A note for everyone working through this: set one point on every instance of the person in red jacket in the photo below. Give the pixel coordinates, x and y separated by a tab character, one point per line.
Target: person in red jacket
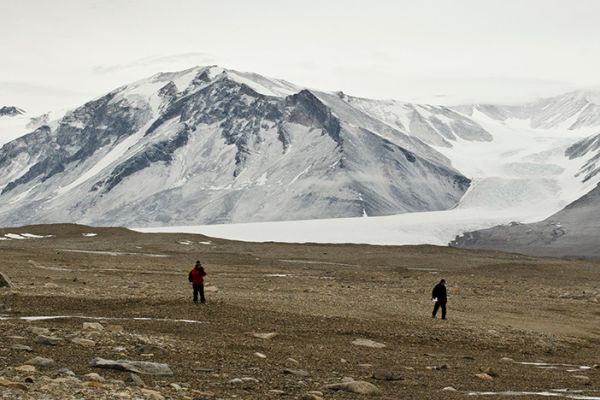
196	278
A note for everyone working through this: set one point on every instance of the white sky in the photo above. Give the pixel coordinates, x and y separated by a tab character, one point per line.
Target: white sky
60	53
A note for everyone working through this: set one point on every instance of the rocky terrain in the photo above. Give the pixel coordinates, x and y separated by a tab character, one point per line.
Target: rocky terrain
106	313
573	232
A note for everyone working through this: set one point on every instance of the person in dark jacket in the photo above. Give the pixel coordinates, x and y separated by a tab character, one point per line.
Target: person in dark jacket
196	278
440	296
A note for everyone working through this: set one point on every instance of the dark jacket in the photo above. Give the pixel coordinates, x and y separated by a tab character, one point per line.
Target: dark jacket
196	276
439	292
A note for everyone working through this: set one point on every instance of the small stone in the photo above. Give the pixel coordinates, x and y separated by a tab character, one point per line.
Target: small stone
260	355
21	347
41	362
65	371
265	336
119	349
236	381
93	326
484	377
296	372
292	361
491	372
26	368
386	375
152	394
48	340
311	396
12	385
83	342
50	285
583	379
94	377
114	328
136	380
368	343
97	385
507	360
277	392
358	387
36	330
176	386
449	389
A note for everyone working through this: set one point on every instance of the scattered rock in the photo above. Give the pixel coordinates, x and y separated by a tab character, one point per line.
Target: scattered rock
583	379
93	326
507	360
266	336
83	342
368	343
21	347
491	372
92	376
12	385
292	361
4	281
41	362
260	355
296	372
449	389
36	330
26	369
65	371
48	340
358	387
139	367
485	377
114	328
136	380
97	385
152	394
311	396
386	375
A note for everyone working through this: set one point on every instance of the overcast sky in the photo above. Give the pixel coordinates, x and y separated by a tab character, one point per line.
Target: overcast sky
59	53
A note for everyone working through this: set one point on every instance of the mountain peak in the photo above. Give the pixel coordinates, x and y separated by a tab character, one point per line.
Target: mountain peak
11	111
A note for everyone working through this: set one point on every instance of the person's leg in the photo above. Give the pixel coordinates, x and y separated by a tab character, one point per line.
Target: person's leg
435	309
195	293
202	299
443	305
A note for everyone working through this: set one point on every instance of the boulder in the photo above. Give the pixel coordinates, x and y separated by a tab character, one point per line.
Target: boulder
139	367
358	387
41	362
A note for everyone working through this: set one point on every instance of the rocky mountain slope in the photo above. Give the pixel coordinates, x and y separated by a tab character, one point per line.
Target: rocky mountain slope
572	232
209	145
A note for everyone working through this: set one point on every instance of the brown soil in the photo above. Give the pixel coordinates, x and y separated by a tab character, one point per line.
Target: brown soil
318	298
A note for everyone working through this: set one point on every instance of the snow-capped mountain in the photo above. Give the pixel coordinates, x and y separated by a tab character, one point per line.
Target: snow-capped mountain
570	111
209	145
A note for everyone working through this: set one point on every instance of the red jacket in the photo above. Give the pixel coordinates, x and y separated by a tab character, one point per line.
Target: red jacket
196	276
